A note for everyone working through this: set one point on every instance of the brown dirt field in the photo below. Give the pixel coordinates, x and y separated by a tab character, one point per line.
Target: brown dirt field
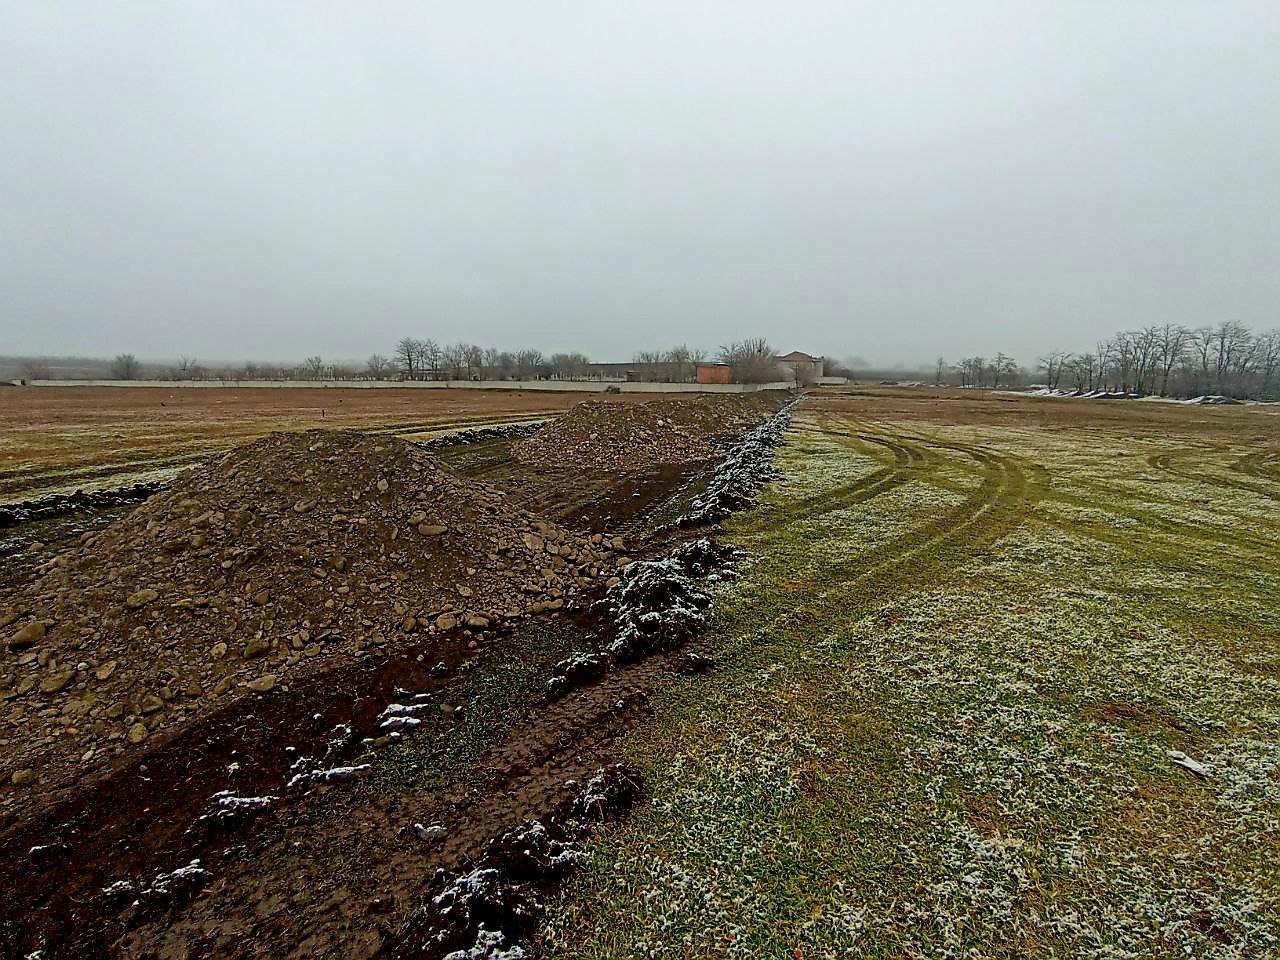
55	439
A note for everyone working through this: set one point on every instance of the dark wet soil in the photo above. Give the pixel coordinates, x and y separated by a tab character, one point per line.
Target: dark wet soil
329	817
133	818
337	864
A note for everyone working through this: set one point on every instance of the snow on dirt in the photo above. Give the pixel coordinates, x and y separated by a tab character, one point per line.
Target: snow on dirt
489	910
746	469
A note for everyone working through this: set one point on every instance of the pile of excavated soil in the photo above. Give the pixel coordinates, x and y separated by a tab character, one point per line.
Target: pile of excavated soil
612	436
288	555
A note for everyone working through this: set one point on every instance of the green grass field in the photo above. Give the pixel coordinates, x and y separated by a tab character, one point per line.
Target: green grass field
948	685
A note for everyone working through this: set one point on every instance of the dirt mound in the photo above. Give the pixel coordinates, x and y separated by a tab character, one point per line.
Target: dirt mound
611	436
288	555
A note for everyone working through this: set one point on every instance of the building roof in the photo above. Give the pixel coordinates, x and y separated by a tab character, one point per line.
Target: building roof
796	355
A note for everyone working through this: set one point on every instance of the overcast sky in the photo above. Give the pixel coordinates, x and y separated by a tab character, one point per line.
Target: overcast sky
894	180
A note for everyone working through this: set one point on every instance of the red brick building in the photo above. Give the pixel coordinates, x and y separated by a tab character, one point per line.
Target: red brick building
714	373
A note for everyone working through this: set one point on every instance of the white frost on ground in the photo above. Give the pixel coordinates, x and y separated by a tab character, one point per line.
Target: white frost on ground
974	768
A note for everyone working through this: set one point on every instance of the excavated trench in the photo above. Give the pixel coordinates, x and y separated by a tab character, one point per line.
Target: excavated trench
481	802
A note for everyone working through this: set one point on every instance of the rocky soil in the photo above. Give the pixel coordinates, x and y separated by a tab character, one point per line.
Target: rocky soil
673	430
287	556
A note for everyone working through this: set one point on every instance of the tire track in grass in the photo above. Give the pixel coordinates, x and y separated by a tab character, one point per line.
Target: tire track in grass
768	635
1265	465
927	554
1131	495
1178	556
1153	528
1171	463
768	625
905	463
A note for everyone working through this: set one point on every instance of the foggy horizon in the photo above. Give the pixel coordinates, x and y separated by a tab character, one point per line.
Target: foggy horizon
264	183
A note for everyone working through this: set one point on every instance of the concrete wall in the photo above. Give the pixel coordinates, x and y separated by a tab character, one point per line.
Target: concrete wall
585	386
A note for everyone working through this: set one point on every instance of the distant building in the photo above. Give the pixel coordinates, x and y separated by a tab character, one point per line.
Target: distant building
800	367
714	373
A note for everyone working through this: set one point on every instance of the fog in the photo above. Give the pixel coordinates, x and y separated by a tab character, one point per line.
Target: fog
897	181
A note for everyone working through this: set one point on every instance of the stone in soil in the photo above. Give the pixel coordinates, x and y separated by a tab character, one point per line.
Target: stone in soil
224	561
601	435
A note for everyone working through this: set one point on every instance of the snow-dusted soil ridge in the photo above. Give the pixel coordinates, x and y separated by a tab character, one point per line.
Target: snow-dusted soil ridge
657	605
514	431
489	911
743	473
62	504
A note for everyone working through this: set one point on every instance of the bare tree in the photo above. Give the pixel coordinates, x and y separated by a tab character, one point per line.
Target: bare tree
683	368
1231	340
1170	359
432	359
408	354
473	358
124	367
1267	363
1003	370
1201	345
187	369
648	363
1053	364
1080	367
569	366
452	359
1171	349
528	364
751	359
314	368
377	367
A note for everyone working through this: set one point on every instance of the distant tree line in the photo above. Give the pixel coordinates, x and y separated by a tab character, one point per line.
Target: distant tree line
415	359
752	361
677	365
1000	371
1174	361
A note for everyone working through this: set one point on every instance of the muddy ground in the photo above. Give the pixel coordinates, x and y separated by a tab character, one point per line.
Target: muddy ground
295	823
